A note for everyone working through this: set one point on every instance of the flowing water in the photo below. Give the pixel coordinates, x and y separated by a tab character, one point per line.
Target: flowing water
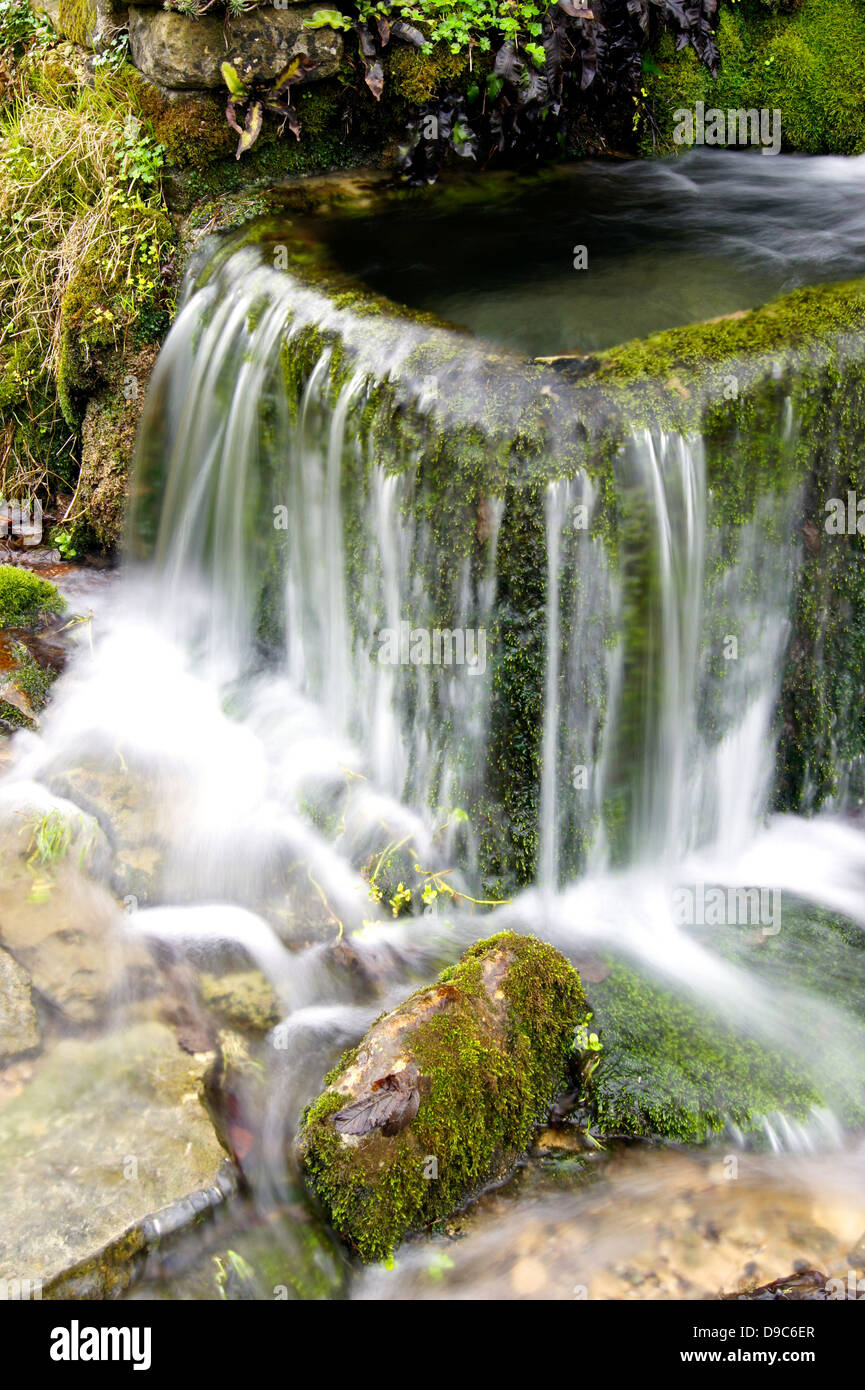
256	676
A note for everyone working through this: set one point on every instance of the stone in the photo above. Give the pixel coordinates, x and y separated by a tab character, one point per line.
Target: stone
184	53
89	23
65	932
243	998
442	1095
19	1025
107	444
57	919
36	824
129	804
107	1151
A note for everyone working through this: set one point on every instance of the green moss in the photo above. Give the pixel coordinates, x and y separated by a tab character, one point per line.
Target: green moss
418	76
674	1069
800	320
78	21
808	62
481	1096
29	676
26	600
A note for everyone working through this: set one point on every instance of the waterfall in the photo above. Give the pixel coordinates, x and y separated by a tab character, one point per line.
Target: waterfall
370	639
301	515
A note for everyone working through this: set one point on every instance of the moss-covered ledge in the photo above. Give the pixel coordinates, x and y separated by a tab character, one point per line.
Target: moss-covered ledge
480	1055
775	397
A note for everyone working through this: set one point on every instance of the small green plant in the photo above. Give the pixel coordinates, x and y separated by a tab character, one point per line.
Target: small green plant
584	1041
114	54
62	538
432	884
50	839
20	27
139	157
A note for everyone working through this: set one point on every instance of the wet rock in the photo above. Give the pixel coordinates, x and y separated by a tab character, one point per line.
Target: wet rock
857	1254
107	444
19	1025
66	936
130	806
481	1052
244	999
180	52
59	924
556	1143
41	829
58	921
108	1150
279	1257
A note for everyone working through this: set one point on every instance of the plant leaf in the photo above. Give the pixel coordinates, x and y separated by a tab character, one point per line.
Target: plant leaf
375	79
327	19
251	128
294	71
407	32
231	117
232	81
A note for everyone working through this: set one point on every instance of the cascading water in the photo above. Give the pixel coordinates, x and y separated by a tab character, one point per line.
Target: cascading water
307	674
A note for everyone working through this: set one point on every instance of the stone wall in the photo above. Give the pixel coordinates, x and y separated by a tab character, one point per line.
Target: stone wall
181	53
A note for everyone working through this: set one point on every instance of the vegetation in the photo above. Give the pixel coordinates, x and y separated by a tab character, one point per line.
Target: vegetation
26	600
806	60
85	245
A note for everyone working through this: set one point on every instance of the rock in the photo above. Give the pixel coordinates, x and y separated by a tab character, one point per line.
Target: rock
65	933
39	828
58	923
107	443
807	1285
179	52
490	1042
108	1150
243	998
89	23
19	705
129	806
19	1026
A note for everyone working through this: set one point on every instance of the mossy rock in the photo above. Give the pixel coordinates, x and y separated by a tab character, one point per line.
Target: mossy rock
679	1069
26	600
806	60
24	688
490	1041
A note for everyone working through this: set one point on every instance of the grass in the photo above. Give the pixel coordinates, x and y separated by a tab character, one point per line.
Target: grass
50	839
84	242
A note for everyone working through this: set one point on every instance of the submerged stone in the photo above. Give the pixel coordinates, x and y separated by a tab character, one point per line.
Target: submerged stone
108	1149
451	1084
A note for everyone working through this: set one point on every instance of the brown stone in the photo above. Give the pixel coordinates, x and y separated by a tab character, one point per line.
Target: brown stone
184	53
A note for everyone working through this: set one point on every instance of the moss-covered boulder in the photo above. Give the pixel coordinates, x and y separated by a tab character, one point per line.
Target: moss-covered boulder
26	600
461	1071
